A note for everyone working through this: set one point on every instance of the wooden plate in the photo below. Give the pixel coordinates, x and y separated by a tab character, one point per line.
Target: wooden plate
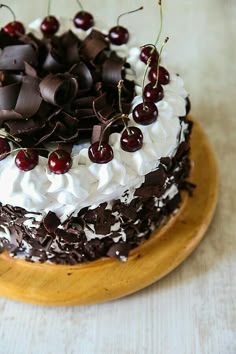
109	279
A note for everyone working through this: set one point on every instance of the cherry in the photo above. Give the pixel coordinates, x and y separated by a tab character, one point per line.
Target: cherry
26	159
83	19
118	34
49	26
153	93
145	113
131	139
4	148
59	161
163	75
13	28
147	52
100	152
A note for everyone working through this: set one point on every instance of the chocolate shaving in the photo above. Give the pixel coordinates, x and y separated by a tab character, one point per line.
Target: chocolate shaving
51	222
112	71
29	99
93	45
58	89
14	57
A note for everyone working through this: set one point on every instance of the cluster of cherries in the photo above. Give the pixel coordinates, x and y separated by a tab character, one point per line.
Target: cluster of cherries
145	113
83	20
59	161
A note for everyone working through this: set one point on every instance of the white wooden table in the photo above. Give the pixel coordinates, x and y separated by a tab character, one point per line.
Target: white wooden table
192	310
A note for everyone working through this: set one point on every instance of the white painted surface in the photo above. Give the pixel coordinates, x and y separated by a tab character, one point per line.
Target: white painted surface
192	310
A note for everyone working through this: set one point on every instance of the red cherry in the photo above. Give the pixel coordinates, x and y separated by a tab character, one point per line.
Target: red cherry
163	75
14	28
131	139
100	153
4	148
152	93
49	26
83	20
118	35
26	159
59	161
149	52
145	113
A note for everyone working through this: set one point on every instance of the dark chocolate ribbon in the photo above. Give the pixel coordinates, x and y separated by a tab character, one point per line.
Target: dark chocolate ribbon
93	45
59	89
14	57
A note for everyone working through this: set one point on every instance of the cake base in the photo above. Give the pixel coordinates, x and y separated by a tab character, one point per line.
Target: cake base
108	279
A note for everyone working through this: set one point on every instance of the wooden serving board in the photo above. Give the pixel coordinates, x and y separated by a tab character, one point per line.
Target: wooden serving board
108	279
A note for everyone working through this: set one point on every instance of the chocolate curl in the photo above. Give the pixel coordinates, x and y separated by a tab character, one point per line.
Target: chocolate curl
14	57
29	99
58	89
103	110
52	64
84	75
8	96
112	71
93	45
70	44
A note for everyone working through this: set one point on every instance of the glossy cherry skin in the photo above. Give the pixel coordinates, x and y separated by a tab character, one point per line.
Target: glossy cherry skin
100	153
26	159
131	139
59	161
49	26
145	113
4	148
14	28
152	93
149	52
118	35
83	20
163	75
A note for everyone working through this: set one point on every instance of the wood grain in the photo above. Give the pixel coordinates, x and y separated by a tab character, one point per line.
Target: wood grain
108	279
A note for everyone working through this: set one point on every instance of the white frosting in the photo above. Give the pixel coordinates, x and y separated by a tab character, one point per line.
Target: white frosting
88	183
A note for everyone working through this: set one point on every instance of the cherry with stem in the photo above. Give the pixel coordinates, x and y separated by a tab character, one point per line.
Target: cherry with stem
131	138
13	28
119	35
50	24
83	19
150	50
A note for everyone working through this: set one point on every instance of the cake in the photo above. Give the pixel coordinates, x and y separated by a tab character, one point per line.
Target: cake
92	159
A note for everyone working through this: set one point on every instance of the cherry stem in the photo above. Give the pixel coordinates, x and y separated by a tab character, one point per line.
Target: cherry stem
144	78
126	13
159	60
161	23
49	7
80	5
119	86
8	7
115	118
11	138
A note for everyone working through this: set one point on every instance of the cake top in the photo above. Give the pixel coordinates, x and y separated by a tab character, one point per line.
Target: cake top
73	106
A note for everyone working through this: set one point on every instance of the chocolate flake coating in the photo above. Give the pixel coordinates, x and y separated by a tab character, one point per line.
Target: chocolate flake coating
67	243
